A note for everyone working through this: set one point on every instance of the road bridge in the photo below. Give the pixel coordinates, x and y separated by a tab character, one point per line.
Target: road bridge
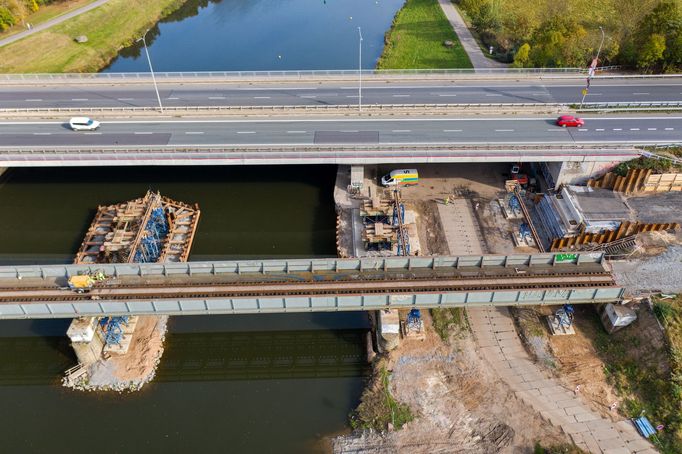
211	141
83	91
275	286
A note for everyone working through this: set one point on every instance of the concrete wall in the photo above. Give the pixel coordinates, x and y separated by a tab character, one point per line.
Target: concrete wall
577	172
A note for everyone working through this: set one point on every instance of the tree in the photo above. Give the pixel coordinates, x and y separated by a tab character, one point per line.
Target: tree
522	56
6	18
651	53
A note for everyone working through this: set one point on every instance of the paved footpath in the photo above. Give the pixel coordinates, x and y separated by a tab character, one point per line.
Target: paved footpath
497	339
466	38
51	22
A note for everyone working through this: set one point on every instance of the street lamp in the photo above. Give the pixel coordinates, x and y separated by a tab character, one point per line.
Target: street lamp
149	60
593	66
360	70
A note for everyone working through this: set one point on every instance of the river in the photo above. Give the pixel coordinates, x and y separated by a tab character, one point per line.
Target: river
266	35
226	383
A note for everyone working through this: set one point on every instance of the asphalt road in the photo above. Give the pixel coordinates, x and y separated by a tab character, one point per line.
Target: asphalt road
601	130
307	93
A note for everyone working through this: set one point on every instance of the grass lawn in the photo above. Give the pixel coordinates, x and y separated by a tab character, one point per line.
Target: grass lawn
45	13
109	28
416	39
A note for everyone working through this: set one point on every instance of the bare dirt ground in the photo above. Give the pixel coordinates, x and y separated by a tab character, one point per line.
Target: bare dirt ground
461	405
137	367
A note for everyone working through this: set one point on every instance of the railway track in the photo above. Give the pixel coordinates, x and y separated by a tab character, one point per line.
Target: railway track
162	291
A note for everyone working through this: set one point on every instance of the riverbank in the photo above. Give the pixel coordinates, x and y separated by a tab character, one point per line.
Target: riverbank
417	39
108	28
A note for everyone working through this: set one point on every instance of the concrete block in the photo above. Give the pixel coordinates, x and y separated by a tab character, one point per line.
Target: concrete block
575	428
556	418
638	445
617	451
591	442
604	435
575	410
566	403
585	417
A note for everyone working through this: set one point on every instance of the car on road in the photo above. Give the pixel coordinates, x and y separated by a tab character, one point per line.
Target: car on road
569	121
83	124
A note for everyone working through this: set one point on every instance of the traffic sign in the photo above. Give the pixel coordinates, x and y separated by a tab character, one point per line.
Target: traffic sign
584	91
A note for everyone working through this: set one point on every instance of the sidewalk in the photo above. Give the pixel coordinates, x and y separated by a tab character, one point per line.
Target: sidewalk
51	22
500	345
466	38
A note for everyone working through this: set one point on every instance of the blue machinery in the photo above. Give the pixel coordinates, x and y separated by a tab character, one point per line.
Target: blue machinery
155	232
112	327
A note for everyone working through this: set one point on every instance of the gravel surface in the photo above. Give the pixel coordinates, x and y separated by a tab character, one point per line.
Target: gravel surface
662	272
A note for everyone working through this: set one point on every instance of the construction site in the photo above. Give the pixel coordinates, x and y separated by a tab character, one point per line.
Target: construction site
121	353
503	209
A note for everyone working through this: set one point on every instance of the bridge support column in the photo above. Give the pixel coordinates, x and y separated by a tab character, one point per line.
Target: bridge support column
2	170
574	172
86	340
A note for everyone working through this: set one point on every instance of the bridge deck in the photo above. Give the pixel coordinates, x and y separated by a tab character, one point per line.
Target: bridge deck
308	285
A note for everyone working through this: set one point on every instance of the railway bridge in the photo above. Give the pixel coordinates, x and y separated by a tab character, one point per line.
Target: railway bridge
299	285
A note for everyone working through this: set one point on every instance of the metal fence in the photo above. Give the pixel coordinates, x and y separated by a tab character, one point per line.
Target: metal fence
592	106
331	265
295	73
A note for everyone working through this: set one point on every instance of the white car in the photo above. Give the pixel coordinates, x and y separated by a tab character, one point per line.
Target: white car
83	124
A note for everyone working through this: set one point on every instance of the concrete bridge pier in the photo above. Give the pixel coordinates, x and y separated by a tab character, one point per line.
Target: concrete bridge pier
574	172
86	339
3	170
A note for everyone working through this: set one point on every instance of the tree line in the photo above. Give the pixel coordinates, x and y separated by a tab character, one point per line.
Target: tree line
14	12
646	34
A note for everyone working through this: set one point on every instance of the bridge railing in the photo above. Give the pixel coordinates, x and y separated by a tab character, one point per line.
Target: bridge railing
295	73
296	108
278	267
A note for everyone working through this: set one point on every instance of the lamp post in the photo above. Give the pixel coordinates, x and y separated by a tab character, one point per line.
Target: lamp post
593	66
149	60
360	70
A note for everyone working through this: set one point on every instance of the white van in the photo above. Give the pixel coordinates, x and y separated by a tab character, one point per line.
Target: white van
83	124
402	177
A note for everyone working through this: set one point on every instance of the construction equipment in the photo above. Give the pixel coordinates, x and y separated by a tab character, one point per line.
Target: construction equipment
81	283
562	321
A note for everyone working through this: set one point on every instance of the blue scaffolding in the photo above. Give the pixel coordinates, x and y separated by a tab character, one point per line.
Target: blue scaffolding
155	232
112	327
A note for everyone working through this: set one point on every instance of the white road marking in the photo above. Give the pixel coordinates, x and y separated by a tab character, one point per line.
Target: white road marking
308	96
246	132
296	132
42	133
172	98
556	130
447	95
401	96
452	130
128	99
504	130
93	133
143	132
599	129
650	129
493	95
79	99
351	96
216	97
261	97
617	129
401	130
634	129
669	129
350	130
594	94
194	132
33	100
583	129
640	93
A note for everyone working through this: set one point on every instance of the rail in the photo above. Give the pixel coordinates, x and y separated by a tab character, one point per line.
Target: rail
277	267
586	107
308	154
295	73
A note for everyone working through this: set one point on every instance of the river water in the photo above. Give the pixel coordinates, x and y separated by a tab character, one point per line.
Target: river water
226	383
237	35
243	384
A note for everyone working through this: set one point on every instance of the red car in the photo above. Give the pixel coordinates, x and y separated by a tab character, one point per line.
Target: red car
569	120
